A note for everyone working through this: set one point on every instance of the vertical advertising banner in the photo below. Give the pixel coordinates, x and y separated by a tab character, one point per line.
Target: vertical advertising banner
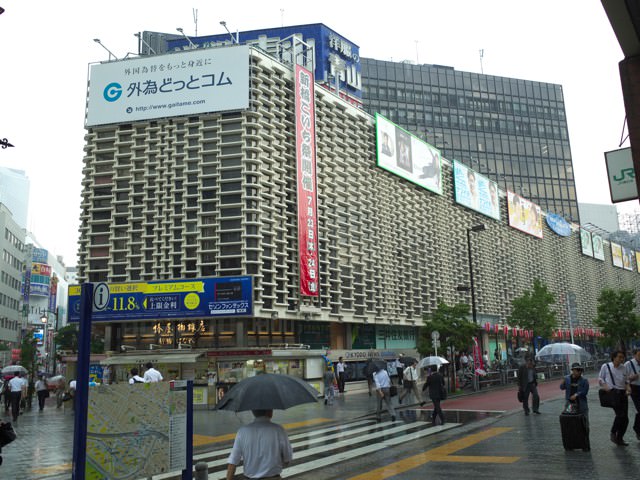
524	215
476	191
306	172
585	242
616	255
598	247
628	259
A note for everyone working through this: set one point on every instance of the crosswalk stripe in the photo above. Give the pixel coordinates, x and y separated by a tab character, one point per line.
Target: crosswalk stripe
344	448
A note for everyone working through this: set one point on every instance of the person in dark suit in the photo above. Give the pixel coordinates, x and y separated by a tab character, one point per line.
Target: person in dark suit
528	384
437	393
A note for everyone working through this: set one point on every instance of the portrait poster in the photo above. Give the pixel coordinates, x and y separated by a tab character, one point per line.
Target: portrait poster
616	255
628	259
476	191
598	247
524	215
585	242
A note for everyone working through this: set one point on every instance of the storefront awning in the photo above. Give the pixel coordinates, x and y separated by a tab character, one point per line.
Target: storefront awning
152	357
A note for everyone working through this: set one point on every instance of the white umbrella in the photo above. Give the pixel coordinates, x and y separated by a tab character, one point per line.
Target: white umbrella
563	351
13	369
432	361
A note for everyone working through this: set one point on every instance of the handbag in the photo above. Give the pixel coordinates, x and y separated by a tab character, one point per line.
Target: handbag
520	396
609	398
393	391
407	384
443	395
7	434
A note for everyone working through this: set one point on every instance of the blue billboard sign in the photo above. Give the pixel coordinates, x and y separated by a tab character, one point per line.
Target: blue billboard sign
558	225
174	299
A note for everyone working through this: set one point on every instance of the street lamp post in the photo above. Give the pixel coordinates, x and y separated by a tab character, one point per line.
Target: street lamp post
45	321
476	228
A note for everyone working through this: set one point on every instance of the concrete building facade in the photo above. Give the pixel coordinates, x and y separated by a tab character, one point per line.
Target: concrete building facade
11	272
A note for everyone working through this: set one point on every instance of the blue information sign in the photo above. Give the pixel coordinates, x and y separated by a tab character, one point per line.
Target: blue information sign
198	297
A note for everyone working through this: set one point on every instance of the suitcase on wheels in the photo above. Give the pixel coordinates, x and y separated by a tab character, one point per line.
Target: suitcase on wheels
575	432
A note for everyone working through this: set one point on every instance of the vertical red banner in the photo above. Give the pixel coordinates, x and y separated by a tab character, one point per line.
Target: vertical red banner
307	183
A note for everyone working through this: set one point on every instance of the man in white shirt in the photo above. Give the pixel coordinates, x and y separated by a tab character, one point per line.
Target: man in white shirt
16	386
633	371
340	367
383	385
151	375
613	376
410	383
262	446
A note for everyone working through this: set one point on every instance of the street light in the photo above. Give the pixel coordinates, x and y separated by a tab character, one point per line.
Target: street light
476	228
191	44
97	40
44	319
233	40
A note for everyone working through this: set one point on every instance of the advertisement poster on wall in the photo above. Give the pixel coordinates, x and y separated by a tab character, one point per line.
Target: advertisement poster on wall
524	215
407	156
628	259
598	247
585	242
616	255
476	191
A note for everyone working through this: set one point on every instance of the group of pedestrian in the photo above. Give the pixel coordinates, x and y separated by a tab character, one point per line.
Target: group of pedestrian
623	380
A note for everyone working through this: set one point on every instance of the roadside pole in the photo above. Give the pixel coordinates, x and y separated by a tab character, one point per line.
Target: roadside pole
82	383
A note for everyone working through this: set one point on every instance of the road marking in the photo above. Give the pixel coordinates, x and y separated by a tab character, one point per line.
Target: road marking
199	440
63	467
441	454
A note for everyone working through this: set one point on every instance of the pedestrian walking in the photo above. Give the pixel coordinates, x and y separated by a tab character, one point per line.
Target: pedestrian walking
399	366
151	375
135	378
383	389
262	447
340	370
633	371
528	385
410	383
16	387
5	393
437	392
613	376
42	391
329	382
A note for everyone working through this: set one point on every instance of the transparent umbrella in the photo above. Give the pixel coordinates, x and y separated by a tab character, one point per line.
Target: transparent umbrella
563	352
432	361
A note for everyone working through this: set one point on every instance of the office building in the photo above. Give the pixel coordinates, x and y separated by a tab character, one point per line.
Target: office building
513	131
14	193
12	263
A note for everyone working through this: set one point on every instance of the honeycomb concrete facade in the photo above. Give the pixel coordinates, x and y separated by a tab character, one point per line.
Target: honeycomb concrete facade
215	195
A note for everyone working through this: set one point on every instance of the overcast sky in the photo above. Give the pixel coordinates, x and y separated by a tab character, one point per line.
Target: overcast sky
46	47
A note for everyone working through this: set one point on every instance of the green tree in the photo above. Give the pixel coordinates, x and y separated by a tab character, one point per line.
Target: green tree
453	325
617	318
532	311
66	338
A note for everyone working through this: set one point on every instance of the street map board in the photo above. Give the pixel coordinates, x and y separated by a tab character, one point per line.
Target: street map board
135	431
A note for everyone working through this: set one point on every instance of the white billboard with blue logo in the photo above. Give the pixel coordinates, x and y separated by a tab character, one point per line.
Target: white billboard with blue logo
177	84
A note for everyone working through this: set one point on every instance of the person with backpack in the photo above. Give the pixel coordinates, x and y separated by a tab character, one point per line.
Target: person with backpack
633	371
135	378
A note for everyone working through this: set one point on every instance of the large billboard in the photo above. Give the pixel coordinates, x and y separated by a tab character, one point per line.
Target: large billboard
524	215
616	255
171	299
586	244
177	84
401	153
308	259
476	191
622	176
598	246
628	259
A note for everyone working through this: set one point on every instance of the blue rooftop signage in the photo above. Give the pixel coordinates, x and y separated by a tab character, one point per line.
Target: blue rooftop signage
558	225
172	299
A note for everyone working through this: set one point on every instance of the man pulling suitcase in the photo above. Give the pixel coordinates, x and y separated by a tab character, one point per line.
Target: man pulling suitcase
574	420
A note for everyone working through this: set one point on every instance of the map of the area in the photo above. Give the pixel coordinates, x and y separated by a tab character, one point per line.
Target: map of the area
131	430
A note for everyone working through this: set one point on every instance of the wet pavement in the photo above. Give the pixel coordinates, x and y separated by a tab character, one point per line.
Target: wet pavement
44	446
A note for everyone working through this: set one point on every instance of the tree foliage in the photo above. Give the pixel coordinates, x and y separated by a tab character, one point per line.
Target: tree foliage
66	338
617	318
532	311
453	325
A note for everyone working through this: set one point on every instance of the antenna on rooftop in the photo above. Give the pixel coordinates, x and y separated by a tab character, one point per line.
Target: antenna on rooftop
195	19
481	55
282	17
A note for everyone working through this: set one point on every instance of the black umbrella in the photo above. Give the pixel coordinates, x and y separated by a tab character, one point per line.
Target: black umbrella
373	365
406	361
268	391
